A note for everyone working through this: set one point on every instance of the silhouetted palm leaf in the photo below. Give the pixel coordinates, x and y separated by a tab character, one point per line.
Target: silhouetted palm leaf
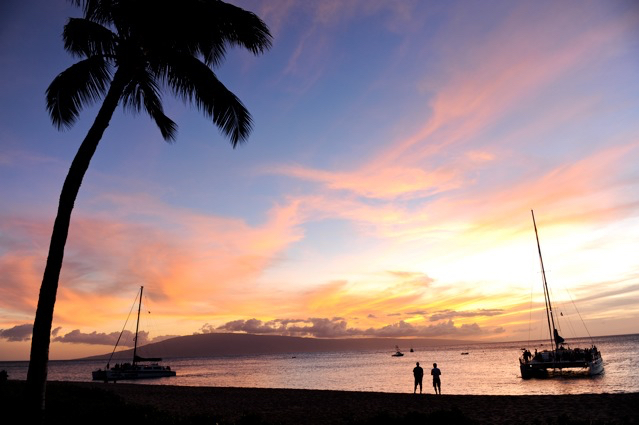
84	38
144	93
195	82
83	83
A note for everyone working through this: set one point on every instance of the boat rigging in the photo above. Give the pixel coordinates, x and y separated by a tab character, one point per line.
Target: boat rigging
398	353
560	355
133	370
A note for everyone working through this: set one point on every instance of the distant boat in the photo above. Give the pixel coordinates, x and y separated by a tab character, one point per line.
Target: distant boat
465	353
560	355
411	350
133	370
398	353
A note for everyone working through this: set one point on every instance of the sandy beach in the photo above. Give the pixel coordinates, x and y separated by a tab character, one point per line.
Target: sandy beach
284	406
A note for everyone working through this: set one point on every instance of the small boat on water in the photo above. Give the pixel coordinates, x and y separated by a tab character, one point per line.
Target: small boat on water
411	350
139	368
560	355
398	353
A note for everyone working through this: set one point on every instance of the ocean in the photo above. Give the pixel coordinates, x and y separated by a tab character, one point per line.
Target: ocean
489	369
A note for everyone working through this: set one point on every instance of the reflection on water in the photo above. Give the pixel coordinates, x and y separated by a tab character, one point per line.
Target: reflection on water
487	369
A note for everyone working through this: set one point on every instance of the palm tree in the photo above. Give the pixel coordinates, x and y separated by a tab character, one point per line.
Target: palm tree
131	51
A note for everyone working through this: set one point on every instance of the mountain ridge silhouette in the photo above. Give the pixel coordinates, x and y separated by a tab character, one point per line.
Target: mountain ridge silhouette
233	344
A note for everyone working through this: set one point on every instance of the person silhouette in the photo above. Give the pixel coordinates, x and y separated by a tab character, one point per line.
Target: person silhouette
418	373
437	384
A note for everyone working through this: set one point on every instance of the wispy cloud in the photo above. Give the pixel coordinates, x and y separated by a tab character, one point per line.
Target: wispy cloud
450	314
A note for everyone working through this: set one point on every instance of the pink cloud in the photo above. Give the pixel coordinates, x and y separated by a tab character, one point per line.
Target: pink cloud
503	75
586	187
383	183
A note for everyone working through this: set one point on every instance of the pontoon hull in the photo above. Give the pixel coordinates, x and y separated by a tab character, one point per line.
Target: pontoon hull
539	369
137	372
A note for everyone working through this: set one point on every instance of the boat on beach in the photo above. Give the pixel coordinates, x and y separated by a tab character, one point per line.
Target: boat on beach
138	368
560	355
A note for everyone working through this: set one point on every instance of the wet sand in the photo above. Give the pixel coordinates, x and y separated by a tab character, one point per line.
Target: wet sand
284	406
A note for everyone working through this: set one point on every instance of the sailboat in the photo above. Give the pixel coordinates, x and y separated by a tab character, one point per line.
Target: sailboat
139	368
398	353
560	355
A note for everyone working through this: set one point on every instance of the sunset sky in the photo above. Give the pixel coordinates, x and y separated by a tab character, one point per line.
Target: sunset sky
398	148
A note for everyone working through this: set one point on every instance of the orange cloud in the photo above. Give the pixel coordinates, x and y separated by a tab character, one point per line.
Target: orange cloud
190	263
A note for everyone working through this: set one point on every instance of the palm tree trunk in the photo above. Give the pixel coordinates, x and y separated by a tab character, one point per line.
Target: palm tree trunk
37	374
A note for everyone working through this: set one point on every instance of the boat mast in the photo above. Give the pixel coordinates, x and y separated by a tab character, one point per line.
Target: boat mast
137	324
549	315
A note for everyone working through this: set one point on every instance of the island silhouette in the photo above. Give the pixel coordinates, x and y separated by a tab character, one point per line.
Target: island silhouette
231	344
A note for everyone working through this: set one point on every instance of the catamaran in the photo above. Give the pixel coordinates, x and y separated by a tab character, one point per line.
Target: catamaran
138	368
561	355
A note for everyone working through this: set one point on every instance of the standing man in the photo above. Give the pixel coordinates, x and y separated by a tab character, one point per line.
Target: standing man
418	372
437	384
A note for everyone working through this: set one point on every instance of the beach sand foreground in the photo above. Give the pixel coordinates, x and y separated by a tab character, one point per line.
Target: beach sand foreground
287	406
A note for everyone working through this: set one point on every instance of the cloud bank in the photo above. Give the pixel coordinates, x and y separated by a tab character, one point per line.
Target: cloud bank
338	328
17	333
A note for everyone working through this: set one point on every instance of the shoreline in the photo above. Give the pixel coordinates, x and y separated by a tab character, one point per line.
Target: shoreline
230	405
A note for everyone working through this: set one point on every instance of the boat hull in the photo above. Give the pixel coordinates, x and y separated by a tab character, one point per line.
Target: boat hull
596	367
133	373
539	369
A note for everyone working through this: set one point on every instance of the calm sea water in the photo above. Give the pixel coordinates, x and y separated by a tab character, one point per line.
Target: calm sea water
487	369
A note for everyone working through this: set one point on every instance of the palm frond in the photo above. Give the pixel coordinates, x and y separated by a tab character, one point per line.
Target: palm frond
193	81
219	24
238	26
227	111
167	127
132	97
79	85
100	11
143	91
84	38
203	28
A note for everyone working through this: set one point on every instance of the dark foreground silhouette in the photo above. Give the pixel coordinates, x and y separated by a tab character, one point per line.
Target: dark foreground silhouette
98	403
